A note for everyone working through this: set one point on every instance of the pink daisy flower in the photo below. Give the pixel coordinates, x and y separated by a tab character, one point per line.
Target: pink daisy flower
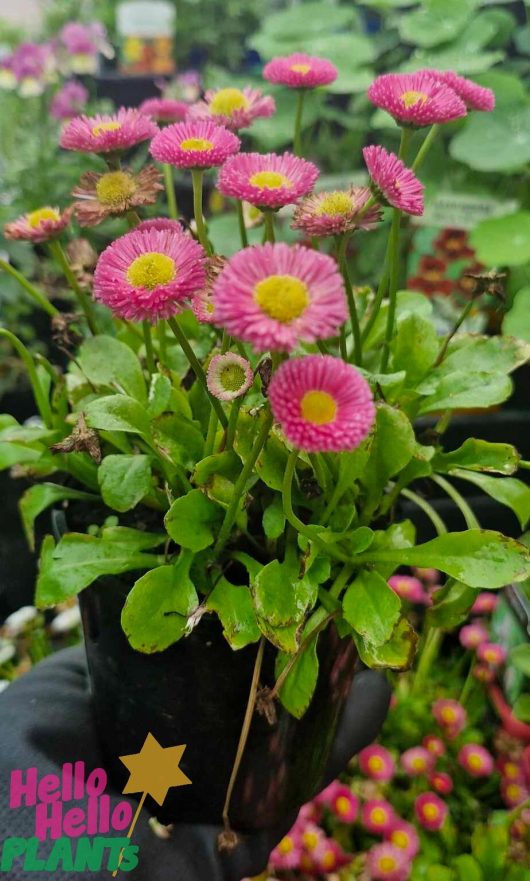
431	811
331	214
475	97
330	857
233	108
492	653
300	71
160	223
385	862
194	144
344	804
417	761
312	812
416	98
107	133
229	376
275	296
403	835
410	589
510	769
483	673
476	760
377	816
441	782
321	403
450	715
485	603
286	854
393	181
311	836
164	110
38	226
513	793
434	744
473	635
267	180
327	795
428	575
376	762
147	274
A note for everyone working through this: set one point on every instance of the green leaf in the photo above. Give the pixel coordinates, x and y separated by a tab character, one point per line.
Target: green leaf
407	303
192	521
415	347
19	454
118	413
156	612
478	455
507	490
521	708
520	658
435	21
392	448
300	683
159	395
78	560
504	241
494	142
39	497
517	321
396	654
106	361
226	464
371	607
467	868
180	438
279	598
463	389
451	606
479	557
236	612
491	354
399	535
124	480
272	460
274	519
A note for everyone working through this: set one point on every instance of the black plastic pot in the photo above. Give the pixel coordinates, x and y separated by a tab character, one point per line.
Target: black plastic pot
196	693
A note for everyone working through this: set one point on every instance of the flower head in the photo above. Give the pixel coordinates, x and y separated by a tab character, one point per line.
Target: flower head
386	862
233	108
160	223
229	376
431	811
403	835
267	180
434	744
69	100
321	403
416	98
476	760
441	782
475	97
300	71
417	761
275	296
164	110
194	144
286	854
485	603
483	673
376	762
473	635
344	804
107	133
513	793
492	653
329	857
428	575
450	715
409	588
38	226
115	192
393	181
148	273
377	816
331	214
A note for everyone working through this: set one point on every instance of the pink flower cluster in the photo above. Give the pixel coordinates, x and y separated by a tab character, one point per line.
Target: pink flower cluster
69	100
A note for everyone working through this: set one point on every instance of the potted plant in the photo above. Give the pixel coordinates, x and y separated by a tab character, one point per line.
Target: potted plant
232	472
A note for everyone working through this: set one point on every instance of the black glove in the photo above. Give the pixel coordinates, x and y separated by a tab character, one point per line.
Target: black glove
45	721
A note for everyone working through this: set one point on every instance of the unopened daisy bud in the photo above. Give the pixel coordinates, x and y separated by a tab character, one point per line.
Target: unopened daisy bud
450	715
476	760
417	761
229	376
202	303
385	862
492	653
484	604
377	816
38	226
441	782
430	811
403	835
473	635
376	762
434	745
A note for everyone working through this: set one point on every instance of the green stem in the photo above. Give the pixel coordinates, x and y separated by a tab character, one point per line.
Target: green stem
392	288
459	500
170	191
232	423
341	581
468	684
197	368
379	297
241	483
454	330
197	175
35	294
242	227
41	399
212	431
278	685
297	141
425	147
354	315
427	509
269	226
433	640
161	337
84	301
149	351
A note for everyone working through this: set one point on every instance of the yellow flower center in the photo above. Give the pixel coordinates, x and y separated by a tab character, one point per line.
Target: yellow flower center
103	127
511	770
282	297
411	98
375	763
232	377
196	145
328	860
418	763
513	791
378	815
342	805
270	180
35	218
490	655
310	840
321	409
400	838
285	846
151	270
448	714
114	188
226	101
430	811
387	864
301	68
335	204
474	761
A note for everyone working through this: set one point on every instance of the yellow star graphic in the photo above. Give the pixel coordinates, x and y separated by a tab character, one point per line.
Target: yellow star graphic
155	769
